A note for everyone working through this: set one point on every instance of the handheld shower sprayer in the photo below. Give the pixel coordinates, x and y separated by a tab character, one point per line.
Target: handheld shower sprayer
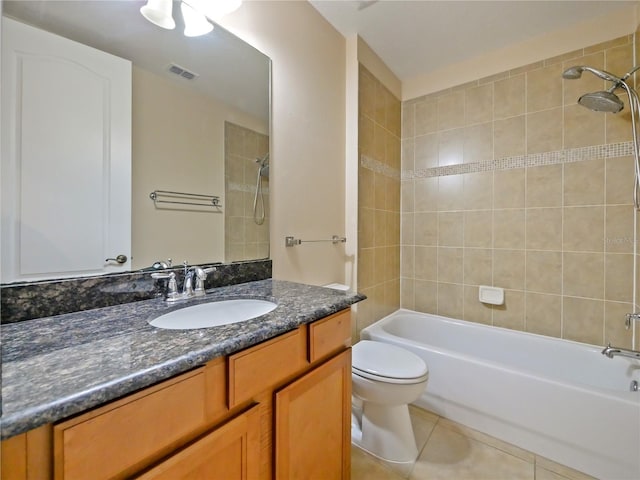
258	200
608	101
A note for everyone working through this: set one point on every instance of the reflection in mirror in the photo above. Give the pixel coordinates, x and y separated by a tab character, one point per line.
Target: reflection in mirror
206	135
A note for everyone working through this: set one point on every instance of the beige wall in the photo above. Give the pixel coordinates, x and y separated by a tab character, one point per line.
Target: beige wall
508	182
182	156
307	176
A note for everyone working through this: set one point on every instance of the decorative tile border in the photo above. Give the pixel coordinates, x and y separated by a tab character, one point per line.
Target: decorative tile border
611	150
379	167
243	187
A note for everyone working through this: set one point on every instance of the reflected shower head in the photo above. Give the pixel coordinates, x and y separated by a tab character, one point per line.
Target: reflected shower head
575	72
601	102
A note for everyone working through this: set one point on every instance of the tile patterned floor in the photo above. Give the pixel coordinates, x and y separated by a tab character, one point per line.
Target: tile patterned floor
451	451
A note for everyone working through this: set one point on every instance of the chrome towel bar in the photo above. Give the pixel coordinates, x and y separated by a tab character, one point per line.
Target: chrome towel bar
291	241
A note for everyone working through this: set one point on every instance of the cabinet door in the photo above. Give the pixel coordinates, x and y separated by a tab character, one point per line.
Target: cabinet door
313	423
230	452
66	156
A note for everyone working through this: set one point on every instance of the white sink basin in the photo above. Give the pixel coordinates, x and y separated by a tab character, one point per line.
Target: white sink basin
213	314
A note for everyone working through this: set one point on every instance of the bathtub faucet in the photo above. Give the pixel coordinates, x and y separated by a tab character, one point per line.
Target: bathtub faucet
611	352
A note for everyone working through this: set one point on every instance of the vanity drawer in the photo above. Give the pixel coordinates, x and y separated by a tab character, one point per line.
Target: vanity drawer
265	365
329	335
116	440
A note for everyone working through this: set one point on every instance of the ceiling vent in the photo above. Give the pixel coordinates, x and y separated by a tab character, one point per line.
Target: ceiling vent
182	72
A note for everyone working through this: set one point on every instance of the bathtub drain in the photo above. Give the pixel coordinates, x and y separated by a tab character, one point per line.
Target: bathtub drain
634	386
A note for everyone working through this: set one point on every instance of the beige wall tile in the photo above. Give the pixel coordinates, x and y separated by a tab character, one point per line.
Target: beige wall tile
478	190
451	147
583	274
450	266
583	229
379	143
619	59
366	228
509	228
406	293
366	261
367	93
544	228
426	262
583	320
544	88
408	147
407	261
450	229
426	228
451	110
509	137
380	228
619	181
543	314
366	188
544	186
478	266
615	332
618	127
479	104
426	151
426	117
379	264
511	97
511	314
450	300
509	188
478	143
408	120
619	229
407	227
584	182
583	127
544	131
509	269
426	193
426	296
474	310
407	195
380	191
450	192
478	228
544	272
618	280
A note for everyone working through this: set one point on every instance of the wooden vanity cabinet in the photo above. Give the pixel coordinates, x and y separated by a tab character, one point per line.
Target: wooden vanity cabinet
280	409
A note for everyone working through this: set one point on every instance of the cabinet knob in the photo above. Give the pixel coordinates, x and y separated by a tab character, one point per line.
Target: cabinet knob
119	259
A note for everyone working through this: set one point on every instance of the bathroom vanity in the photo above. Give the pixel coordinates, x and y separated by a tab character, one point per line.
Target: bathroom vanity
265	398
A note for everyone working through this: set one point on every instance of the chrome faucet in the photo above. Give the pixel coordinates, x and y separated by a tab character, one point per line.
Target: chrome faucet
611	352
192	275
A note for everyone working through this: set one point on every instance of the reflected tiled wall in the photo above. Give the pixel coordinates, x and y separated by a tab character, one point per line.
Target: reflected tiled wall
507	181
244	238
378	200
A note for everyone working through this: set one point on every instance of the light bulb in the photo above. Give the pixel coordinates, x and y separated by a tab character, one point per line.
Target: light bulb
158	12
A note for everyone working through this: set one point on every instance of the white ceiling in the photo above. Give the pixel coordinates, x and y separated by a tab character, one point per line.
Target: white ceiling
419	37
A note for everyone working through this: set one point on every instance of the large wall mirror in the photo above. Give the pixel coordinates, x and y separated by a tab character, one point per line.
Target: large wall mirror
200	110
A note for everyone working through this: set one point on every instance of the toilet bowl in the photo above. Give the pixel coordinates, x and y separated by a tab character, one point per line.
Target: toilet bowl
385	379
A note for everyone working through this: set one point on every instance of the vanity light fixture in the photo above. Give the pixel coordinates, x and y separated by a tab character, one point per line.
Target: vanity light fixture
195	14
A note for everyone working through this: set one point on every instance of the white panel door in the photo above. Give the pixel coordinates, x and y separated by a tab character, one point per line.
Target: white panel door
66	157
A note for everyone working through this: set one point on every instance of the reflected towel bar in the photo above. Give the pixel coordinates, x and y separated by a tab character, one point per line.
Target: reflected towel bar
291	241
181	198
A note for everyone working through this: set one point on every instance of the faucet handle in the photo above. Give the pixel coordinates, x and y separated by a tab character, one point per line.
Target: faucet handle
172	289
201	276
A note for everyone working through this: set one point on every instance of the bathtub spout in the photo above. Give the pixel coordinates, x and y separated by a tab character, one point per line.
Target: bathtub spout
611	352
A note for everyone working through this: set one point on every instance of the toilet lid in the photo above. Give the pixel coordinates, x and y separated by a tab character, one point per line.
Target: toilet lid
386	360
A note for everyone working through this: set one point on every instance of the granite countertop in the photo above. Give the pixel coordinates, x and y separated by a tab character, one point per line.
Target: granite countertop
55	367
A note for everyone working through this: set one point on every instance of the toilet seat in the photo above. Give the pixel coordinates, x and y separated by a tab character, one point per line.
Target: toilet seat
387	363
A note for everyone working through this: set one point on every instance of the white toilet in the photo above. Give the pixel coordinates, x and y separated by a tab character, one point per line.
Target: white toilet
386	378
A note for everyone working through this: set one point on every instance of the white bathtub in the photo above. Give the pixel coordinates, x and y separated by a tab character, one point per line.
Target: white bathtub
559	399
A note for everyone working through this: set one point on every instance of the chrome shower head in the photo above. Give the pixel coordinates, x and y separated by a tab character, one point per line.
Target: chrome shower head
601	102
575	72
